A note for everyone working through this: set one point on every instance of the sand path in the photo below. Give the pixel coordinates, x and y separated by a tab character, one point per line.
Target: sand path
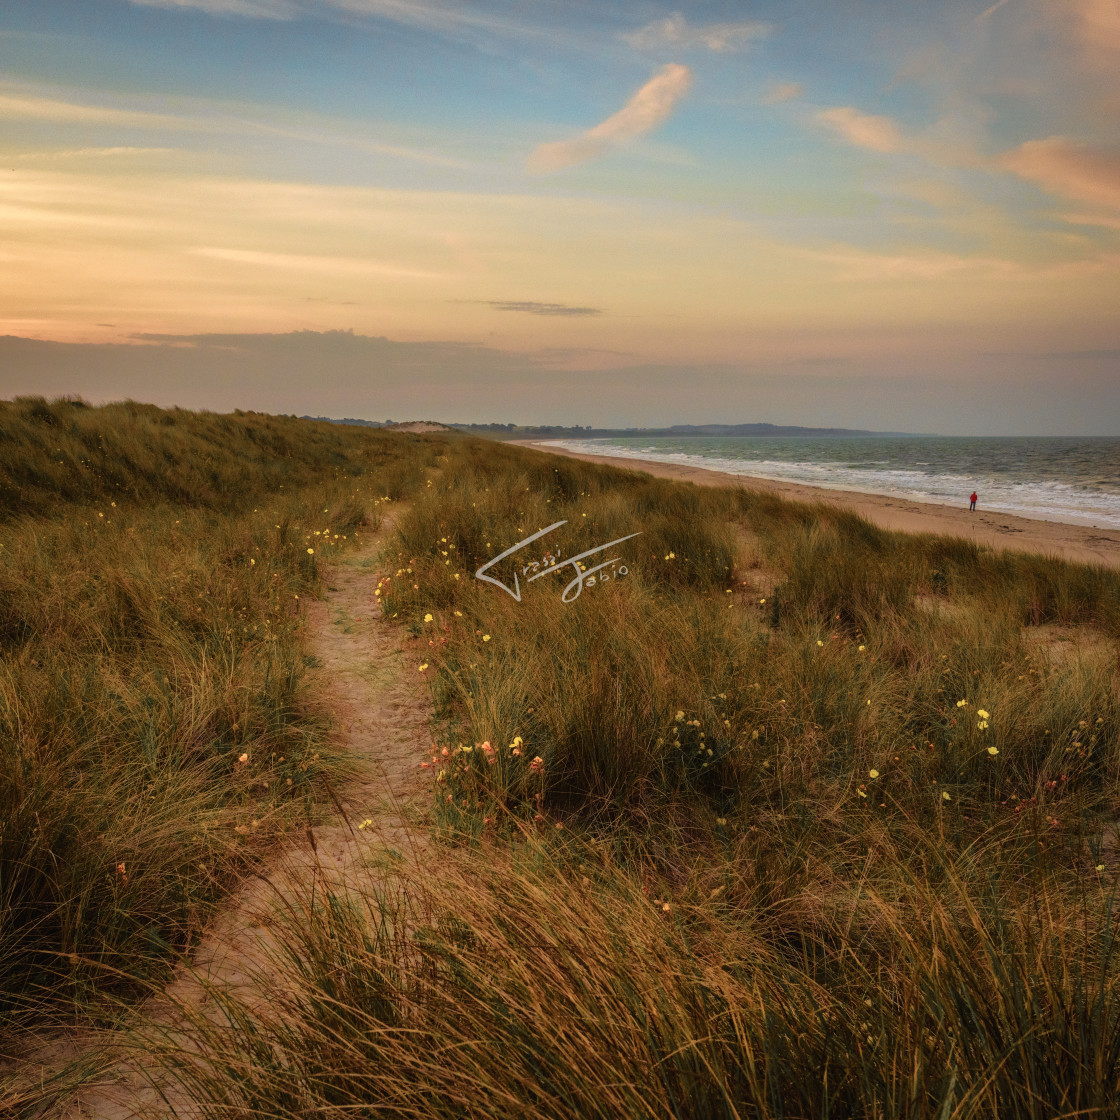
381	712
1085	544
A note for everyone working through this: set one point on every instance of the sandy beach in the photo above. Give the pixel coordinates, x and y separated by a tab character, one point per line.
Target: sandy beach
1081	543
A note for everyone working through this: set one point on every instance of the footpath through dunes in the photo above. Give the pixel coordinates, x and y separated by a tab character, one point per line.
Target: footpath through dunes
381	715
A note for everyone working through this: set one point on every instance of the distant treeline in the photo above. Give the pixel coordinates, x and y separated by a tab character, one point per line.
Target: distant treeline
576	431
352	420
557	431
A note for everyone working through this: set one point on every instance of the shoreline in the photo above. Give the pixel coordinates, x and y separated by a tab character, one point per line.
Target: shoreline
1081	544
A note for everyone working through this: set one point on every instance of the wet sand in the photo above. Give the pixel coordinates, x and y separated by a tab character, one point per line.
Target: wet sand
1082	543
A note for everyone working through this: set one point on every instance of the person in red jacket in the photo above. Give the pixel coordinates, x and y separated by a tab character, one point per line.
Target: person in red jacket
972	500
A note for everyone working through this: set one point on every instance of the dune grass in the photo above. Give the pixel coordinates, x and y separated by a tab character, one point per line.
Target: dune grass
794	818
536	985
157	734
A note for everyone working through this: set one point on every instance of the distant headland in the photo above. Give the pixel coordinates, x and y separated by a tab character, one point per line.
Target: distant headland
559	431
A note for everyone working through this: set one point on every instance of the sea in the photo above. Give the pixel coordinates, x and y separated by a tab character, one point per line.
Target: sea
1076	480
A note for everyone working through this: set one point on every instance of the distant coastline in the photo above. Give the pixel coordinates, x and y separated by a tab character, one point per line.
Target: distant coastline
556	431
576	431
1080	543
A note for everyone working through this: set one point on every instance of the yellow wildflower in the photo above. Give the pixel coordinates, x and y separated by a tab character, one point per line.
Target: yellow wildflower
873	773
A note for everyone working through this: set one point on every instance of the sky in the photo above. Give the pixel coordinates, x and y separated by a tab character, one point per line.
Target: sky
891	214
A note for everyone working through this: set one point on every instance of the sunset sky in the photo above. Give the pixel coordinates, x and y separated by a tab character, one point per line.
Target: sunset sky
874	213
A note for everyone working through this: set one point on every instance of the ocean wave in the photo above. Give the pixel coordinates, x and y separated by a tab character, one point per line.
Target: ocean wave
1044	500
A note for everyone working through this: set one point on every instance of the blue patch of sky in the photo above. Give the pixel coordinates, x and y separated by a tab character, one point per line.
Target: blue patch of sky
490	98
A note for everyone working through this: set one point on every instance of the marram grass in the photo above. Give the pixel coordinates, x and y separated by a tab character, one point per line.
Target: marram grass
848	773
157	735
797	818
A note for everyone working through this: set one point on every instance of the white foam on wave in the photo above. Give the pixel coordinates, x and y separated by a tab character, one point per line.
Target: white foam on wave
1043	500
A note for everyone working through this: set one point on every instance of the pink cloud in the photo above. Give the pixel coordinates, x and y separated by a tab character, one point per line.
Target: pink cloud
879	134
648	108
783	91
1065	167
675	31
1098	23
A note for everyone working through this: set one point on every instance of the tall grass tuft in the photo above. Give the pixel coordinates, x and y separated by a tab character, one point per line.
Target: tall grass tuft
157	732
792	817
548	984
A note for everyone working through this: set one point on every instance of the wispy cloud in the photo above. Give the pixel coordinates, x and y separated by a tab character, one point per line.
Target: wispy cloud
462	15
879	134
20	107
649	107
853	265
675	31
1104	221
327	137
884	134
1064	167
88	153
783	91
531	307
220	119
1057	164
1098	23
434	15
989	11
328	266
248	9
